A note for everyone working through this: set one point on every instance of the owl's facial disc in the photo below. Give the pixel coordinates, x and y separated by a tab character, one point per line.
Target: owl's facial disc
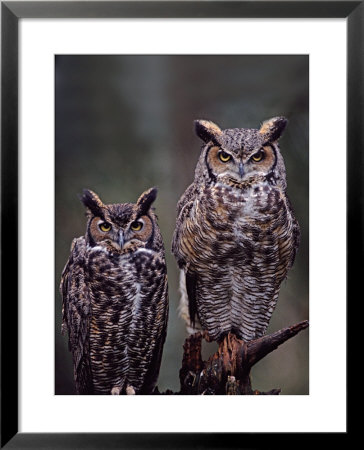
118	237
240	166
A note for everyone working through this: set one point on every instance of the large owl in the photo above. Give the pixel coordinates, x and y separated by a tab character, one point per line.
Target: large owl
236	236
115	298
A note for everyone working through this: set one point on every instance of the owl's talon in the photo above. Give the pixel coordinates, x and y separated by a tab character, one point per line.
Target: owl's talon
116	390
130	390
206	336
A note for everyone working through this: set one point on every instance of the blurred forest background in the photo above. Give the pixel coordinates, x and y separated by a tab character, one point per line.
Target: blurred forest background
125	123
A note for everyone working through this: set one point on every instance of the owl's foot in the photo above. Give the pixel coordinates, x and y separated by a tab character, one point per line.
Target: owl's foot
130	390
116	390
232	386
206	336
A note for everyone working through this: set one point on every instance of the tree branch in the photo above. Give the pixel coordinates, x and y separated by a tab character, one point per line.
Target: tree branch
259	348
228	370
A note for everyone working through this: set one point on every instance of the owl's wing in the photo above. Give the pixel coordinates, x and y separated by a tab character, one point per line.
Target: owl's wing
186	197
153	371
76	314
189	284
184	206
296	234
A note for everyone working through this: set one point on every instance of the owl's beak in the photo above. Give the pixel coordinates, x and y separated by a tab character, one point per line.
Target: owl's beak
121	239
241	170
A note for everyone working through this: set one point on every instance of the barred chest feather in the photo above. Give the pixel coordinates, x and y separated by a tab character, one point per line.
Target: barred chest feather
125	302
230	220
240	244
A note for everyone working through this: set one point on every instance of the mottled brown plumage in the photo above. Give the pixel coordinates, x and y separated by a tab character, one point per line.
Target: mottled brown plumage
236	236
115	298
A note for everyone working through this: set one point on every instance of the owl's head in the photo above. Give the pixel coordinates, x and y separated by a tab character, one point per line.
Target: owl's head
241	156
124	226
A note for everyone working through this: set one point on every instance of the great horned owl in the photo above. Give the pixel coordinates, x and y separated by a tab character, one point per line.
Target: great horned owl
115	298
236	236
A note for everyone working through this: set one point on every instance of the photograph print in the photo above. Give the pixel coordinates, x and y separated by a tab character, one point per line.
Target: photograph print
182	224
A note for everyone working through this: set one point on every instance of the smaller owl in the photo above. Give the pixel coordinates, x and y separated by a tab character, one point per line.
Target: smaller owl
115	298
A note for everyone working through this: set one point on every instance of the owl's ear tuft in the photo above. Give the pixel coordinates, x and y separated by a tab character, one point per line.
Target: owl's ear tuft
272	129
92	202
207	130
145	200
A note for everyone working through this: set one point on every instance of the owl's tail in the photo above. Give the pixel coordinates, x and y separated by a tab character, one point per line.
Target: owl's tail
183	310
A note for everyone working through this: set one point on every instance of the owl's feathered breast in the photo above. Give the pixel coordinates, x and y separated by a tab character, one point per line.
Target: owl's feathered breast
237	245
128	313
127	305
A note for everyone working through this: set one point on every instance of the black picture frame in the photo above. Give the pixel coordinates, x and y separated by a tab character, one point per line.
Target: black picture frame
11	12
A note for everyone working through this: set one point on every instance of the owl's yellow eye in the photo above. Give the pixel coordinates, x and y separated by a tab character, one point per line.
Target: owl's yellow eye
258	156
105	227
136	226
224	157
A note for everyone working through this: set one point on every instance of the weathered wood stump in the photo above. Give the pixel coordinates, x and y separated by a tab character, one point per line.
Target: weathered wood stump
228	370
